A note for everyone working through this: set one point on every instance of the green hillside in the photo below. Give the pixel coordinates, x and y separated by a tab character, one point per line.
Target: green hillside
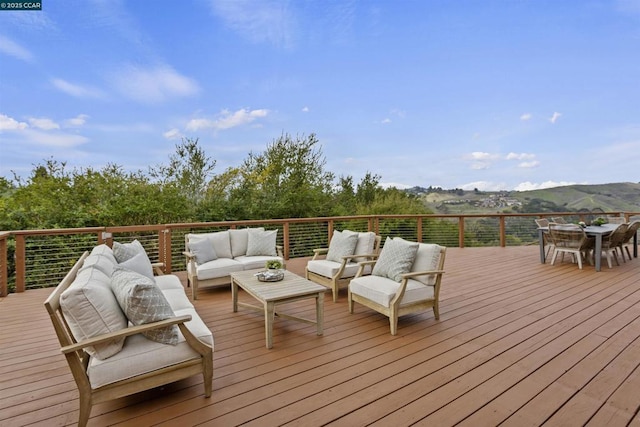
608	197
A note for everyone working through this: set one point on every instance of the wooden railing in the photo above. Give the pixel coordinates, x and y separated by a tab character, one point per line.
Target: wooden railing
41	258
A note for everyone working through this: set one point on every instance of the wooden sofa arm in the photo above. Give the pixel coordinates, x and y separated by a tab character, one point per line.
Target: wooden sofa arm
319	251
178	320
421	273
158	268
363	264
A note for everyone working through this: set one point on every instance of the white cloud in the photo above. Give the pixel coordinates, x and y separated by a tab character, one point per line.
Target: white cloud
55	139
520	156
305	109
153	85
480	165
172	134
526	116
12	48
529	165
76	90
527	186
554	118
385	121
226	119
43	123
77	121
258	20
9	123
480	155
483	186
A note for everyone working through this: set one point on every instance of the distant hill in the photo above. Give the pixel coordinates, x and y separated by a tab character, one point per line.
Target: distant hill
572	198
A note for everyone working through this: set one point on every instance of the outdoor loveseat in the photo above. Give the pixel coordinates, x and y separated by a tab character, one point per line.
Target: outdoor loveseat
124	330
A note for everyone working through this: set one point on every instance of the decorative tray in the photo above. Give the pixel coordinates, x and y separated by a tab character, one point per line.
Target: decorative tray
270	275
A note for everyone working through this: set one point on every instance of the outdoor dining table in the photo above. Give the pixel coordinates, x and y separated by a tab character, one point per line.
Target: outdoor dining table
596	231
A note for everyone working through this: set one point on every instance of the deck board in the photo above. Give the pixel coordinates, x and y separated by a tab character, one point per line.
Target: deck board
517	343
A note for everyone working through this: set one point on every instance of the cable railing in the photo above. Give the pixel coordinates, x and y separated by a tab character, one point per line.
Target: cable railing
40	258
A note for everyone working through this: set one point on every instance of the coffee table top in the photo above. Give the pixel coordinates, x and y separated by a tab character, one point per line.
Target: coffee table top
291	286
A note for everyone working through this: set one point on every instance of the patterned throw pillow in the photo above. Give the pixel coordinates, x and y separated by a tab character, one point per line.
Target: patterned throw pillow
261	242
396	258
427	259
143	302
343	243
125	251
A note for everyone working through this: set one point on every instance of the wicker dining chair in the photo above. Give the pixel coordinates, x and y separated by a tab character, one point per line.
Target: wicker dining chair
546	241
627	241
570	238
611	243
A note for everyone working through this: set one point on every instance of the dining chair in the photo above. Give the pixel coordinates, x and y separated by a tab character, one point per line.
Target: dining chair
632	229
559	220
546	241
611	243
615	219
570	238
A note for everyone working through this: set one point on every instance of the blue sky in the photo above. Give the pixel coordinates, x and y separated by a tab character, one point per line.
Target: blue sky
487	94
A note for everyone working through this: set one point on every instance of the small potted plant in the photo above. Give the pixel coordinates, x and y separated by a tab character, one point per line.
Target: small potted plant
273	265
599	221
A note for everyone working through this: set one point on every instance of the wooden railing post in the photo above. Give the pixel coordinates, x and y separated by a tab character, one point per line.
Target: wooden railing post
503	237
285	240
164	249
419	229
461	231
4	280
21	268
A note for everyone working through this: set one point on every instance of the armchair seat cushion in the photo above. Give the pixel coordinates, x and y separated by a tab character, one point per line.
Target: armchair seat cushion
220	267
326	268
140	355
382	290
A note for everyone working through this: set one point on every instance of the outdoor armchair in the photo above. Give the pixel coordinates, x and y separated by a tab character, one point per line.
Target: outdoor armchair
570	238
405	278
340	262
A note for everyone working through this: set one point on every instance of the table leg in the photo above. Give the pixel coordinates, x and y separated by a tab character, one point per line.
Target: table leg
541	240
319	312
635	245
269	315
597	254
234	295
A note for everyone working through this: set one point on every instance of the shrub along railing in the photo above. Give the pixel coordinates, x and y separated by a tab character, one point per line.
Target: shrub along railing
41	258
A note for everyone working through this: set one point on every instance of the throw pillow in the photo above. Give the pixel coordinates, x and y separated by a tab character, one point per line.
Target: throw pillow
343	243
396	258
261	242
139	263
203	250
240	240
143	302
125	251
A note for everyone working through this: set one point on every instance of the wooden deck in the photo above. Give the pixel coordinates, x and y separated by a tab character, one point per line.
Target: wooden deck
518	343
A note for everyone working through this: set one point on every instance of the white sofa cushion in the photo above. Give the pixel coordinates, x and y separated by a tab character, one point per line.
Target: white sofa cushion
343	243
427	258
240	240
139	263
102	262
91	309
261	242
174	292
254	262
396	258
220	267
382	290
140	355
143	302
104	250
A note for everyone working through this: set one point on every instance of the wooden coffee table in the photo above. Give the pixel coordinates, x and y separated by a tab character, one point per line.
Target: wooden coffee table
271	294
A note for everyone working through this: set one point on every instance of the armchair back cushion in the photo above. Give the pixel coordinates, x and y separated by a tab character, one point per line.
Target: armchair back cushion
240	240
427	259
366	244
343	243
396	258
